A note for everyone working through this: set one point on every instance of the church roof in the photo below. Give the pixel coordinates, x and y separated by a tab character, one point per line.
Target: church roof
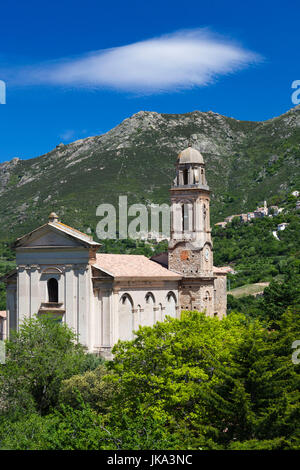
75	233
132	266
190	155
59	226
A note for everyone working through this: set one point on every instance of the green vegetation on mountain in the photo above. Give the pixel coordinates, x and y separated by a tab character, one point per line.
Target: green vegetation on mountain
247	162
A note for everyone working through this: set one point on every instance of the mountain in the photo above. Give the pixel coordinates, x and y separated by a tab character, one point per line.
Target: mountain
246	163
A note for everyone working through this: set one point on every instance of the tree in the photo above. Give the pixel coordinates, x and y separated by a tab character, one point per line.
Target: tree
93	388
280	295
216	383
84	429
197	382
174	371
38	357
263	389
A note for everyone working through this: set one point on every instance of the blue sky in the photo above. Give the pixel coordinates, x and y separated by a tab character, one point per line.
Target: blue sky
75	69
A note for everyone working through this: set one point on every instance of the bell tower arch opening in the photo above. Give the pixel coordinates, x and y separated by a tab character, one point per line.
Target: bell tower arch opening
185	176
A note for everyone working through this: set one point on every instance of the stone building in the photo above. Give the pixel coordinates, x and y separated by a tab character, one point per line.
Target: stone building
190	247
105	297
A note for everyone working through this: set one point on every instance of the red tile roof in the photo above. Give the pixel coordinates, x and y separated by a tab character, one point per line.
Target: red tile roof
136	266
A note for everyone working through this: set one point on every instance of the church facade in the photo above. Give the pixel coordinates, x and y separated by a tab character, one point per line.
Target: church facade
106	297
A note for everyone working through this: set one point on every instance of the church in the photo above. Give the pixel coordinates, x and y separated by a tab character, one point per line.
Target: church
106	297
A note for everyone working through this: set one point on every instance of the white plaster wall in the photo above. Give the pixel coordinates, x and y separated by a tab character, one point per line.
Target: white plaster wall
143	313
72	271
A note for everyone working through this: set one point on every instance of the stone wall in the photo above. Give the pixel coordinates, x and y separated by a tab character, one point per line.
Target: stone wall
220	294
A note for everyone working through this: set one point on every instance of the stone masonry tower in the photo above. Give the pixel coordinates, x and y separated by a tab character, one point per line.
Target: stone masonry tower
190	246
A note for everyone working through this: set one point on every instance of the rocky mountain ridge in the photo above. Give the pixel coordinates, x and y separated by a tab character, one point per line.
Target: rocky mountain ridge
246	162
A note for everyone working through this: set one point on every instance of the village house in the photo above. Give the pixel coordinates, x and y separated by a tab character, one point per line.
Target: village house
273	210
230	218
243	217
221	224
258	213
281	227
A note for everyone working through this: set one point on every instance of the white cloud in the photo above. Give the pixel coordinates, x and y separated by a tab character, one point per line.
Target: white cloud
172	62
67	135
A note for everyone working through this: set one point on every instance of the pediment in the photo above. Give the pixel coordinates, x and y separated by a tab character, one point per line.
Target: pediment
49	237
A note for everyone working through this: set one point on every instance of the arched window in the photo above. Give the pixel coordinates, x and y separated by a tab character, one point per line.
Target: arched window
126	320
126	299
171	304
206	297
170	296
52	285
184	217
149	297
147	316
204	217
185	209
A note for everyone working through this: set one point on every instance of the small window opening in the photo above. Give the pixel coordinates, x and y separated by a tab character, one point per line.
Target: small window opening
52	290
185	176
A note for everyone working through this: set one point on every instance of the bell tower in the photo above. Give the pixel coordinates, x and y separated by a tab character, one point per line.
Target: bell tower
190	246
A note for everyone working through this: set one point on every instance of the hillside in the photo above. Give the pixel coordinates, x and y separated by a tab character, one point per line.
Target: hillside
253	251
247	162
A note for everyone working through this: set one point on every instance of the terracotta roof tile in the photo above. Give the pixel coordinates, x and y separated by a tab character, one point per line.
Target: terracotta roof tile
137	266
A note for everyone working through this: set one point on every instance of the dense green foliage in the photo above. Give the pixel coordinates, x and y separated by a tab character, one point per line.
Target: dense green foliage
193	383
278	296
38	358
